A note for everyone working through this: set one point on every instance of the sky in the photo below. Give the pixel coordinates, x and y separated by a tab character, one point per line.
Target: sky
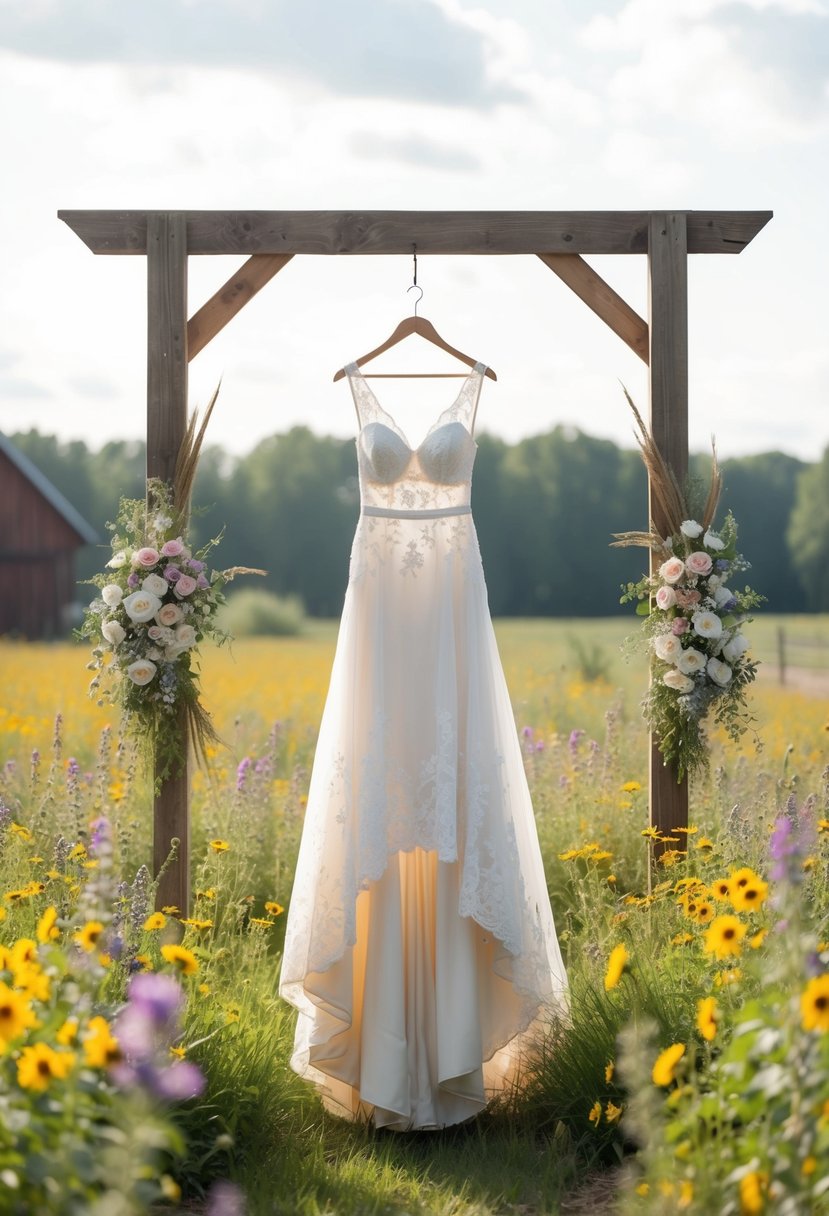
417	104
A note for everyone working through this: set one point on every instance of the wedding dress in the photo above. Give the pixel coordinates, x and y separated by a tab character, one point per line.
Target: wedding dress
420	947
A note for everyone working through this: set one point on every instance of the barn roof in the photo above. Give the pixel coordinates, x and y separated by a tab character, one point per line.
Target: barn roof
51	493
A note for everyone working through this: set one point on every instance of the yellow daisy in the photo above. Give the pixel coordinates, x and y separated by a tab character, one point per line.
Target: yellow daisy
664	1069
273	907
87	937
595	1113
156	920
100	1046
47	929
750	895
16	1014
219	846
707	1017
723	936
39	1063
616	966
181	958
814	1004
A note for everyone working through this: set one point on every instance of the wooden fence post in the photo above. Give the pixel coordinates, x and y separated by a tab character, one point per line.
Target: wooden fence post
166	425
668	329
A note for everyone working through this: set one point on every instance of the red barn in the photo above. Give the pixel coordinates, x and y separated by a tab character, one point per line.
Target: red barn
39	533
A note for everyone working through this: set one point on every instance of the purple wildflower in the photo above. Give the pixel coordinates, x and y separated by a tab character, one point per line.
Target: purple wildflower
539	745
573	743
72	767
100	831
225	1199
241	773
134	580
527	732
783	846
156	996
178	1081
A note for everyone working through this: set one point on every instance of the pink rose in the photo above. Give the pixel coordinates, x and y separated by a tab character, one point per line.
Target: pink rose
698	563
679	626
687	599
169	614
172	548
184	586
665	598
672	570
145	557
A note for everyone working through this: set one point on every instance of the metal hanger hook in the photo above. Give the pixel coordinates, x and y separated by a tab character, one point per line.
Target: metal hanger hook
416	287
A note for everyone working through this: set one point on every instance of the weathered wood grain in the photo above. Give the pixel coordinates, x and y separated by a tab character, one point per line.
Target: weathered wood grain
668	326
387	232
214	315
601	298
166	424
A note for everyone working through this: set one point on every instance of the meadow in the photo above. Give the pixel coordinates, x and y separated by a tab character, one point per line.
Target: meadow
691	1075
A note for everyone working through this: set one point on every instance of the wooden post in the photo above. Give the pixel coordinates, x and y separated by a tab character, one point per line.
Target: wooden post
668	329
166	424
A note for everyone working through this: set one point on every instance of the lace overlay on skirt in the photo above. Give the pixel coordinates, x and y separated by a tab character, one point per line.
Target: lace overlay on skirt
420	944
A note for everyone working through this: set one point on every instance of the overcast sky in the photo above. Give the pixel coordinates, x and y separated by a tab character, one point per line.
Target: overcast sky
402	104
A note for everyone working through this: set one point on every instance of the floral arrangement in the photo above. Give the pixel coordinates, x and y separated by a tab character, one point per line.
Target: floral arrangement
694	618
158	600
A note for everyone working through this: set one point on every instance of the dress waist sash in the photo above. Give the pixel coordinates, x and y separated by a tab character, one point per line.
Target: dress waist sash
429	513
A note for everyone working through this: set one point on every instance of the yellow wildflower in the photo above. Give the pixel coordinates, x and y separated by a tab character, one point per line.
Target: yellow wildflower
21	831
704	912
219	846
47	928
170	910
738	879
686	1194
732	976
208	893
178	1052
809	1166
643	1189
753	1191
721	890
723	936
100	1045
608	1072
705	843
87	937
261	920
616	966
612	1113
144	961
757	940
595	1113
156	920
651	833
182	959
707	1017
664	1069
631	787
682	939
67	1033
39	1063
749	896
814	1004
16	1015
23	953
195	923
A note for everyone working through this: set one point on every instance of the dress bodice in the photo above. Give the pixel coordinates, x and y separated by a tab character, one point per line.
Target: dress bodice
437	473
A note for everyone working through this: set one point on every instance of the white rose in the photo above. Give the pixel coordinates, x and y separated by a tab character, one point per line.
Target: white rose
691	660
665	598
141	605
112	595
719	672
667	647
171	653
707	624
714	580
185	636
690	527
113	632
141	671
169	614
676	680
156	585
736	647
713	542
722	595
117	561
154	654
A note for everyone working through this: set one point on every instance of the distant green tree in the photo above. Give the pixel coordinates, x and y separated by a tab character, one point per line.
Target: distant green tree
808	534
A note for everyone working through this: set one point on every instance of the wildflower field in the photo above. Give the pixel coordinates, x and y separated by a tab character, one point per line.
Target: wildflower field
143	1056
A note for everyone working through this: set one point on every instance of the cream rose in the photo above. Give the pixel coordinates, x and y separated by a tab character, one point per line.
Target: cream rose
185	636
713	542
113	632
117	561
141	671
698	563
690	528
676	680
672	570
707	624
141	605
665	598
169	615
719	672
667	647
156	584
112	595
690	661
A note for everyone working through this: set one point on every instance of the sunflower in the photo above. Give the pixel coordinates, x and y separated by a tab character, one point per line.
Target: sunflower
723	936
757	940
707	1017
100	1047
156	920
181	958
23	953
664	1069
87	937
616	966
39	1063
33	983
814	1004
704	912
742	877
721	890
68	1032
16	1014
751	895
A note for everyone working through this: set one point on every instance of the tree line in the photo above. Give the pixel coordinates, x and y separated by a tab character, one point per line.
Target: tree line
544	508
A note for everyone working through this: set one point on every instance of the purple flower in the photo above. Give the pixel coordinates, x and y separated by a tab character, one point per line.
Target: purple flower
196	565
241	773
136	1033
100	831
172	574
156	996
72	767
202	583
783	846
573	743
722	563
225	1199
539	745
133	581
180	1081
527	732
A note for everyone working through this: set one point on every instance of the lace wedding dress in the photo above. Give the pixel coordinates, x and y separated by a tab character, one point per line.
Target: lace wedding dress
420	945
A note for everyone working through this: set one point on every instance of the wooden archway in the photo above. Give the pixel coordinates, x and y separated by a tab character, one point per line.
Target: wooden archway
272	238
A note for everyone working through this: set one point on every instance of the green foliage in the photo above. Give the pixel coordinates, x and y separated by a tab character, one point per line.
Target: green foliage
808	533
254	612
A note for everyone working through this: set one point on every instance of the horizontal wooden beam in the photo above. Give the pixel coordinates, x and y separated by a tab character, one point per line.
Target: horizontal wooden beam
213	316
392	232
600	296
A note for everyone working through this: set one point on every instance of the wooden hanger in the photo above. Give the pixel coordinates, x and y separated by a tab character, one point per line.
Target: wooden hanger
425	329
